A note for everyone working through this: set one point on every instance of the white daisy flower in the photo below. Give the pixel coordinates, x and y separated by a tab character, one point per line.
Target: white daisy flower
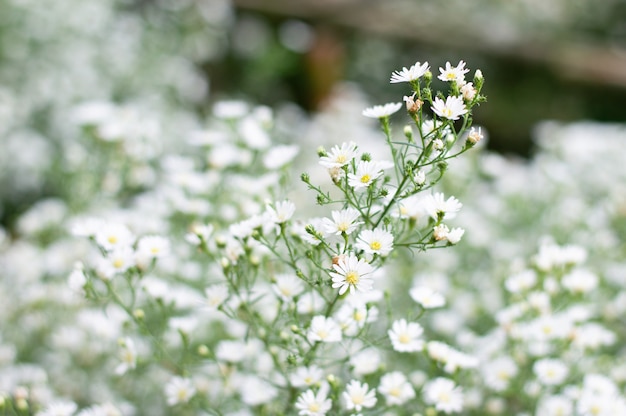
153	246
59	408
396	388
216	295
437	206
282	211
352	273
366	173
427	297
112	235
128	356
499	372
468	91
444	395
121	259
452	108
453	73
382	111
344	221
324	329
377	241
406	337
557	405
411	74
550	372
357	396
306	376
179	390
455	235
314	404
287	286
339	156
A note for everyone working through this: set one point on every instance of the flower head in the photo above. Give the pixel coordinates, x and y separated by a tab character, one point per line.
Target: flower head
313	404
407	75
324	329
442	393
452	108
344	221
453	73
179	390
352	273
339	156
396	388
382	111
377	241
357	396
366	173
405	336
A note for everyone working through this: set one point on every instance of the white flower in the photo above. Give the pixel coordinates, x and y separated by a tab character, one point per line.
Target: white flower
557	405
455	235
396	388
453	73
153	246
77	280
279	156
339	156
357	396
407	75
312	404
128	356
468	91
381	111
580	281
59	408
344	221
112	235
377	241
216	295
287	286
437	206
406	337
366	173
324	329
498	373
550	371
310	303
281	211
427	297
443	393
121	259
255	391
352	273
230	109
306	376
452	108
474	135
179	390
365	361
521	281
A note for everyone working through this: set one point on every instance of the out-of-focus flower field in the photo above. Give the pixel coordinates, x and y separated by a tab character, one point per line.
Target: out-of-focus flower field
171	244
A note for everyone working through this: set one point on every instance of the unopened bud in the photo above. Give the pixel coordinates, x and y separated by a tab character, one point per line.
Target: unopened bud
139	314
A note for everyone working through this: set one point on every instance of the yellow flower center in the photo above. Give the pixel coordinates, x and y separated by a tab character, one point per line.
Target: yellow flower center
341	159
365	178
352	278
447	112
451	76
154	250
375	245
395	392
358	316
112	239
314	407
404	339
117	263
343	226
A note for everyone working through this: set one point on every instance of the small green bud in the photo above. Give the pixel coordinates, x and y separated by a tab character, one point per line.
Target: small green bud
320	199
203	350
366	157
305	178
21	404
294	329
321	151
292	359
224	262
428	76
139	314
408	132
384	192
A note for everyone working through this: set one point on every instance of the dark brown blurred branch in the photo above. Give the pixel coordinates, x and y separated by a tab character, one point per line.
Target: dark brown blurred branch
598	64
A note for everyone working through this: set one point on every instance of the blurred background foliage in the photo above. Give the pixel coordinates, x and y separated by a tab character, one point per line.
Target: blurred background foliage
559	59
